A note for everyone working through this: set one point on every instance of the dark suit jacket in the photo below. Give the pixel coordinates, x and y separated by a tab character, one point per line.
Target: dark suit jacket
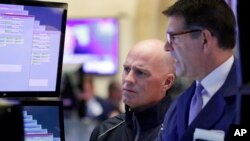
218	114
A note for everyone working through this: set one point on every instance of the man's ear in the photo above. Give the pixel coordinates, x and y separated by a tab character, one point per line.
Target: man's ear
169	81
207	38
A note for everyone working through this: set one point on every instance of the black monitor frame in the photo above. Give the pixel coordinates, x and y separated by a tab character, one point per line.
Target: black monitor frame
36	93
57	103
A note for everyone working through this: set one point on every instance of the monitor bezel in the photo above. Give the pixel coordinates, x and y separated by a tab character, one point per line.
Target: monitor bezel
56	92
57	103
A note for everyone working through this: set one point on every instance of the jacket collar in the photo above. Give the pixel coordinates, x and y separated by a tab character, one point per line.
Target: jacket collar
148	118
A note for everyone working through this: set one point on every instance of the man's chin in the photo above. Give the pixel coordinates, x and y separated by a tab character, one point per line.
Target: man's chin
129	103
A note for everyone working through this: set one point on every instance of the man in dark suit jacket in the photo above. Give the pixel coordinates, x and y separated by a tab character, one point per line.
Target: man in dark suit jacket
201	37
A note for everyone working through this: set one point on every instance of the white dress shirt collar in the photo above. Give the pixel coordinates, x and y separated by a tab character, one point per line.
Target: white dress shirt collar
214	80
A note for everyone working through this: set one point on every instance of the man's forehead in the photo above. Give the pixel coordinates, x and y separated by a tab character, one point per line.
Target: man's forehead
175	24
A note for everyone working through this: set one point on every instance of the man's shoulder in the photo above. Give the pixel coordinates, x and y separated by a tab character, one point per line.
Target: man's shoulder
109	126
114	121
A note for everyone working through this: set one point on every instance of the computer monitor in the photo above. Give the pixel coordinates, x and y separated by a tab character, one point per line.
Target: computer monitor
243	65
243	47
43	120
31	47
93	42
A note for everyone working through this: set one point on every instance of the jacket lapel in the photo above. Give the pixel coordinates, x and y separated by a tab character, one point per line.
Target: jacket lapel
183	109
214	110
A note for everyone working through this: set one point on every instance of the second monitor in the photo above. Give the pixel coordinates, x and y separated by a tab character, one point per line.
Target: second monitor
43	121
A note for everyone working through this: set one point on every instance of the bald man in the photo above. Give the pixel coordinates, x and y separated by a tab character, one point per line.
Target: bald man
148	73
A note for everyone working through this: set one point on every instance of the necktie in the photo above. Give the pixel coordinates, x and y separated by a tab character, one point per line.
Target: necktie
196	103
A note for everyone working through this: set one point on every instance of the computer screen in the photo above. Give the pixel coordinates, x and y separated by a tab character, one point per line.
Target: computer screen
31	48
93	42
43	121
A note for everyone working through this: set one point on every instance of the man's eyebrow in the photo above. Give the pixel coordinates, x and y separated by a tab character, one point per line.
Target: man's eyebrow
124	65
143	68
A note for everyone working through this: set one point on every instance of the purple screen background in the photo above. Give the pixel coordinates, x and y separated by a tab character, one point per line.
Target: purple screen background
93	39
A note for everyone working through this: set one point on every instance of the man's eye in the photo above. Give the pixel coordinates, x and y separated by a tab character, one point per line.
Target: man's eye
173	37
141	73
126	69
